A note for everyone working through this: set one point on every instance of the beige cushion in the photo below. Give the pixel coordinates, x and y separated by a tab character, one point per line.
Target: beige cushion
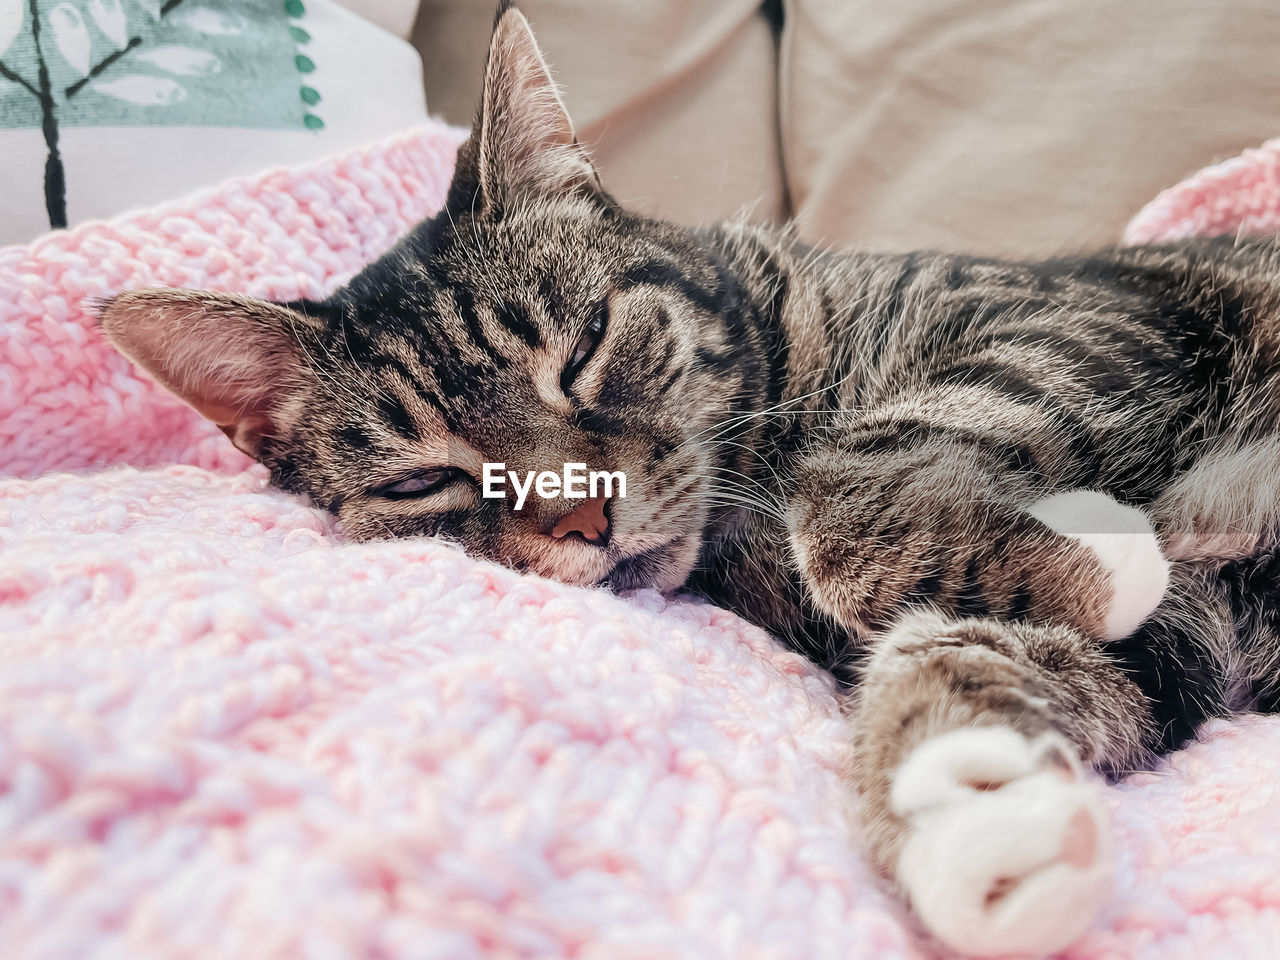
1013	126
1020	127
676	98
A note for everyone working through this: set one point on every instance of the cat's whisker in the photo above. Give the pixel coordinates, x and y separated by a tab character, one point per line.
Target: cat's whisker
778	482
732	422
750	508
722	485
727	496
726	472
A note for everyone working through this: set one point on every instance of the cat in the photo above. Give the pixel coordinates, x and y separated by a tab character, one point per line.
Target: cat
1027	511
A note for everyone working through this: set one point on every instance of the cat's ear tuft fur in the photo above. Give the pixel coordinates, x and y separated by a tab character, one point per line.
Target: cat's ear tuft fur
232	358
523	141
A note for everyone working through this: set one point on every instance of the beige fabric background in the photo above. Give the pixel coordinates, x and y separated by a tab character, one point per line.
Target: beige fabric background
1014	126
1020	127
677	100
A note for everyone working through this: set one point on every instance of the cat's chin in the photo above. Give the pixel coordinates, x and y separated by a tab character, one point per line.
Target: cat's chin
662	568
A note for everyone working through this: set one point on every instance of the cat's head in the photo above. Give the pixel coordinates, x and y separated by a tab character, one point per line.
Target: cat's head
533	323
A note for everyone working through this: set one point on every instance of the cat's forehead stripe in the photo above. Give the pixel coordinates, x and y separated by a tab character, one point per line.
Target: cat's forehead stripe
515	318
396	415
465	305
661	274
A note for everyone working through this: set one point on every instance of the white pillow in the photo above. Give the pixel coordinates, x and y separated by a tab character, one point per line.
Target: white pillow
394	16
150	99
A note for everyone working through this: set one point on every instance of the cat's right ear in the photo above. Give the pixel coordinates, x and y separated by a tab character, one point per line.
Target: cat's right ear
231	358
522	143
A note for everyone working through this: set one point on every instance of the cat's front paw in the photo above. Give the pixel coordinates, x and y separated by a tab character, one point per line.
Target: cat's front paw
1007	847
1125	543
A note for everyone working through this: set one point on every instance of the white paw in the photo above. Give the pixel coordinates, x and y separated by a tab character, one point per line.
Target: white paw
1125	543
1008	849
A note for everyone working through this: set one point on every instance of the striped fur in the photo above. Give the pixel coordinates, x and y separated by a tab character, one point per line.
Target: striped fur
827	443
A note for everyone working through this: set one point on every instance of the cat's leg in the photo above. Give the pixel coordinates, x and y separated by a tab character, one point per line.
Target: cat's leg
972	743
954	525
977	724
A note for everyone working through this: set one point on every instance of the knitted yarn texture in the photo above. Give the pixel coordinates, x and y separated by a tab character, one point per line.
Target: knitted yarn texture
225	733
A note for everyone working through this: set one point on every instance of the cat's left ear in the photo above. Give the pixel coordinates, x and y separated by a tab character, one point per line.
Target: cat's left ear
234	359
523	140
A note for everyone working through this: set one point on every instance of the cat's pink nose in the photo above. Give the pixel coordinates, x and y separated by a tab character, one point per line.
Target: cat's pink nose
590	519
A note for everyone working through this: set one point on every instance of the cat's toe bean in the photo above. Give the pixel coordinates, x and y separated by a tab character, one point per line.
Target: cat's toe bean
1007	846
1125	544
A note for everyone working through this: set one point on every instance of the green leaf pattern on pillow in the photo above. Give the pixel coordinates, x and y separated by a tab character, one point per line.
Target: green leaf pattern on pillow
232	63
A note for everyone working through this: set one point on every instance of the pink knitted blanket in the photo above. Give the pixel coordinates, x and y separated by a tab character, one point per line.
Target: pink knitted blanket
224	733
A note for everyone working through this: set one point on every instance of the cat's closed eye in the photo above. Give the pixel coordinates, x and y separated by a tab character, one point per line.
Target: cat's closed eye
586	345
419	483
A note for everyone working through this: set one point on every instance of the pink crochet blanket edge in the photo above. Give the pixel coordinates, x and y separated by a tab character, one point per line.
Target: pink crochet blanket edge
1238	196
225	733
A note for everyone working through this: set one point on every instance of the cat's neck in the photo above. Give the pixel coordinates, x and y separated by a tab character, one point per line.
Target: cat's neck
802	299
779	300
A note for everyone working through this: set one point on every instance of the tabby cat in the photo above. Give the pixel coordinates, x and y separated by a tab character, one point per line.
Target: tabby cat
1027	510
